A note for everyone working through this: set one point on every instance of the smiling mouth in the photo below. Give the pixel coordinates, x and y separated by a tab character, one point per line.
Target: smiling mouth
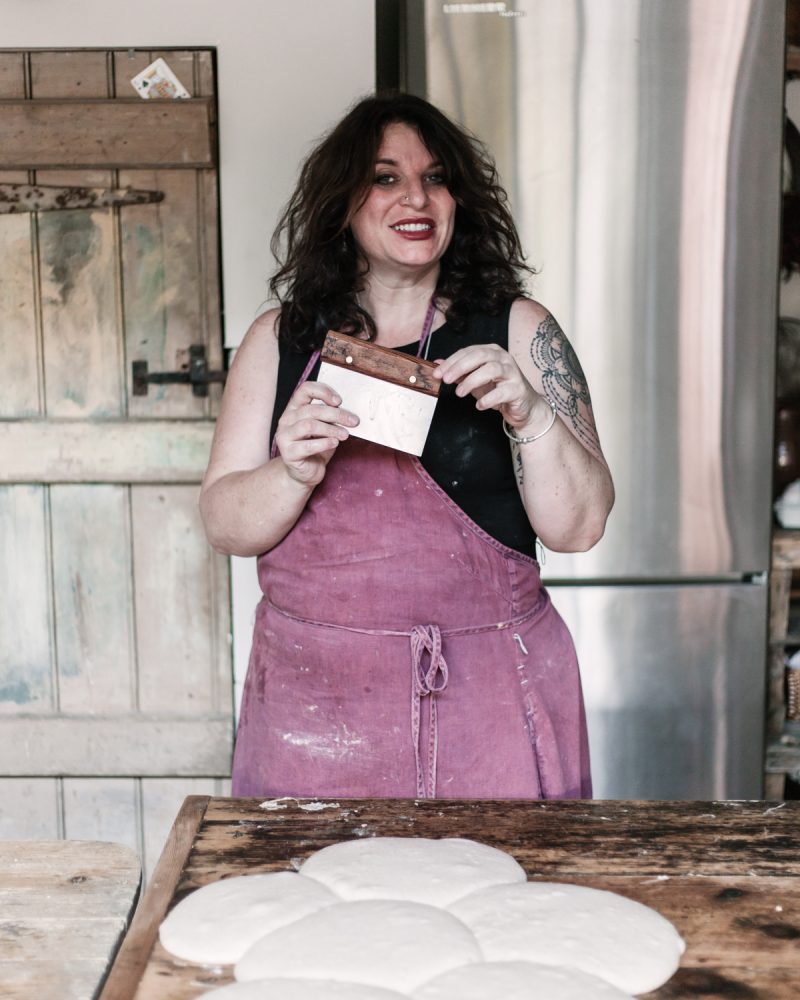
412	227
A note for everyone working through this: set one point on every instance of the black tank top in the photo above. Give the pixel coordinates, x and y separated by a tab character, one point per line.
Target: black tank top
466	453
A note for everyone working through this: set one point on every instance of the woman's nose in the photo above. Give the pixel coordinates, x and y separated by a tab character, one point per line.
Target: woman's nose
415	194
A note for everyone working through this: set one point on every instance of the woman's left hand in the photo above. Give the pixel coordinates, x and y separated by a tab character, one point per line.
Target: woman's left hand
494	378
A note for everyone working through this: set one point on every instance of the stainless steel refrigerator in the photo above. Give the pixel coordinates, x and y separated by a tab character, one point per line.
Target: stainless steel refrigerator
640	142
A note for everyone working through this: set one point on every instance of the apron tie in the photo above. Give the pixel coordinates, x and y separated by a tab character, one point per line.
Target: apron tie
426	682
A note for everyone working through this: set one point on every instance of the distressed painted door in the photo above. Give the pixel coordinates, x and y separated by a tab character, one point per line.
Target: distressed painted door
115	664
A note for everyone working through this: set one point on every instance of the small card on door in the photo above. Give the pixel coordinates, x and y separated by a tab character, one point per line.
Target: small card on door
158	80
393	394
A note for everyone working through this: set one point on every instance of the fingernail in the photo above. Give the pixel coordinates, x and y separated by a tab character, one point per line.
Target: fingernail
336	399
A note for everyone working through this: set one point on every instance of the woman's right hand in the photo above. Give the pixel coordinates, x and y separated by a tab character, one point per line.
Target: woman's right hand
310	430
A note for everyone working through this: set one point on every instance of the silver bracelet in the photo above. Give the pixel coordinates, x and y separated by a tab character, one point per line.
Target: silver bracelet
511	434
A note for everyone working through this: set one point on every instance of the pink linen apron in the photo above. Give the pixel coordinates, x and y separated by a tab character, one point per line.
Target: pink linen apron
401	651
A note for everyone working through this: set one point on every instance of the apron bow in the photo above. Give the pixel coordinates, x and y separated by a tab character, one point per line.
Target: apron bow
426	682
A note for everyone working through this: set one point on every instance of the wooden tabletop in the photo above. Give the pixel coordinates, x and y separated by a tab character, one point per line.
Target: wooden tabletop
64	907
726	873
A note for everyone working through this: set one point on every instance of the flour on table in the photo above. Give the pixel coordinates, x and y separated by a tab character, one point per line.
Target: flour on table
608	935
393	944
218	922
413	868
517	981
302	989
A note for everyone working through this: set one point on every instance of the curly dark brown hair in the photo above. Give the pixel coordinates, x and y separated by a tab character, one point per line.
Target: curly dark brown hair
321	269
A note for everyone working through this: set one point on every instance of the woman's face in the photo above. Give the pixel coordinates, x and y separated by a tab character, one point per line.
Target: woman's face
406	222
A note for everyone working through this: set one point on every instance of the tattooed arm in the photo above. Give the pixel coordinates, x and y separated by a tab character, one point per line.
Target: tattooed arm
564	480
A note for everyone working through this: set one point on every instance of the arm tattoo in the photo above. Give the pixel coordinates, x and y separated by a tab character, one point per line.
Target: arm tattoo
517	456
563	379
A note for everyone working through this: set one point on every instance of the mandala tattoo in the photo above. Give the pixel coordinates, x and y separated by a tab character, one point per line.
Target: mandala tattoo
563	379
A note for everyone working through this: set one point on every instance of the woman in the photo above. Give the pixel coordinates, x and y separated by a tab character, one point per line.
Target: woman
404	645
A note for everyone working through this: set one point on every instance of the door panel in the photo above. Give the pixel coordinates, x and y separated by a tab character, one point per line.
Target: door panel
78	451
26	652
90	528
115	673
19	350
166	251
78	263
67	74
176	575
31	809
101	809
12	74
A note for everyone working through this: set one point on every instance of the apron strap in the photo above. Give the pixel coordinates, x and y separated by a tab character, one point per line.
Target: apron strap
426	682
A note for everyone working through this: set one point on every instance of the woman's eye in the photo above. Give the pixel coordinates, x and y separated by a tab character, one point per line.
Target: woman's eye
384	179
435	179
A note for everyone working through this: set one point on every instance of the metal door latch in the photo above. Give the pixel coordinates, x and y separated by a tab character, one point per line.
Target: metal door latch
195	373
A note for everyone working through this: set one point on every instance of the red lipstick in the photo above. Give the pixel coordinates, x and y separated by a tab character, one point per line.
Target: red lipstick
426	230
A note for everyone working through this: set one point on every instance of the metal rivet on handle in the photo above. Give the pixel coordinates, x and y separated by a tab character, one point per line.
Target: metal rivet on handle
412	378
349	359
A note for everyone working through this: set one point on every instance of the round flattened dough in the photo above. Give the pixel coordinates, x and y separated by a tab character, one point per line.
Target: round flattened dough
302	989
413	868
517	981
603	933
390	943
218	922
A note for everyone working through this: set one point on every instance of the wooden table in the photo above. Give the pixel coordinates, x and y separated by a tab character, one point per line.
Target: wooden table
726	873
64	907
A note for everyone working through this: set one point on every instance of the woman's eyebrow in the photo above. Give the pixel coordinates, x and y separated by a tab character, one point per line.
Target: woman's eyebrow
393	163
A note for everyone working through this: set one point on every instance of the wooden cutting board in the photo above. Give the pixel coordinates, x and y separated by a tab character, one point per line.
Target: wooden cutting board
727	874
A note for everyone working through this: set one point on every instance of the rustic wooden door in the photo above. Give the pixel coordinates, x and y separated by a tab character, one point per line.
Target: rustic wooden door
115	657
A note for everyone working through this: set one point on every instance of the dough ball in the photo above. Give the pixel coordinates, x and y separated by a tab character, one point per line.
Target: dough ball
517	981
302	989
218	922
394	944
603	933
413	868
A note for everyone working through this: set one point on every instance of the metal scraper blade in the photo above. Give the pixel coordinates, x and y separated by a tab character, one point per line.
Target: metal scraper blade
389	414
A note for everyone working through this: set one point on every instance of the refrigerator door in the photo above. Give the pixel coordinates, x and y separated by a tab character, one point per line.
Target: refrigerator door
641	143
674	683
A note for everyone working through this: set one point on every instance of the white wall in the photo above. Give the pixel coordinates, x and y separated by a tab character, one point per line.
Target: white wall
286	71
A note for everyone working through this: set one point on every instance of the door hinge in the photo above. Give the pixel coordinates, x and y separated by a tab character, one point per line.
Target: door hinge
194	373
15	198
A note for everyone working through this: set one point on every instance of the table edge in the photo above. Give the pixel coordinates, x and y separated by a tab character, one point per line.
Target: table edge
132	957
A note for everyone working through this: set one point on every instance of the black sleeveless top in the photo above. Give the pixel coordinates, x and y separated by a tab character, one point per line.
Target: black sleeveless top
467	452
